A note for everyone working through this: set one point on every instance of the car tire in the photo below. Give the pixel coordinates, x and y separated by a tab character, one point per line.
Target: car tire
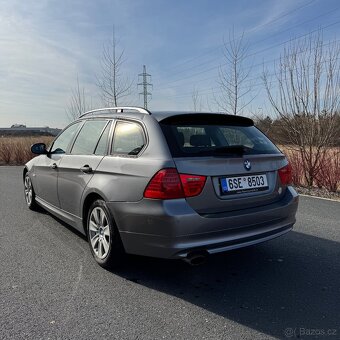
103	236
29	193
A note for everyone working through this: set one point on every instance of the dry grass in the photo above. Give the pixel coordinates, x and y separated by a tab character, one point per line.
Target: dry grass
17	150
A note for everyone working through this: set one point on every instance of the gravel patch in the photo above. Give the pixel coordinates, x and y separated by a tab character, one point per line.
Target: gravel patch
319	193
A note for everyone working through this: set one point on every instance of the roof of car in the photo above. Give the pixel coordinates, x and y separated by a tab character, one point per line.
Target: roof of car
164	115
160	115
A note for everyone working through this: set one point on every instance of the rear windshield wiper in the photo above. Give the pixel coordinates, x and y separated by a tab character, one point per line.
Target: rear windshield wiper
232	150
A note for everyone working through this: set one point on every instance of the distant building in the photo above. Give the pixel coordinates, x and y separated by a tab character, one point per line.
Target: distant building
23	130
18	126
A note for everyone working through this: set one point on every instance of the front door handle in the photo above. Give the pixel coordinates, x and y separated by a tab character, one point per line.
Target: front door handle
86	169
54	166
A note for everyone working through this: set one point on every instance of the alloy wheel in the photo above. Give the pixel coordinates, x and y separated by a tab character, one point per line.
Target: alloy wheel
28	190
99	232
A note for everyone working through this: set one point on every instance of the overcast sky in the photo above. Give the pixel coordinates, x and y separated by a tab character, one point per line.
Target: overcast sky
45	45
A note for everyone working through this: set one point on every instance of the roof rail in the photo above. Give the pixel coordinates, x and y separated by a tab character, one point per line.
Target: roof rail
118	109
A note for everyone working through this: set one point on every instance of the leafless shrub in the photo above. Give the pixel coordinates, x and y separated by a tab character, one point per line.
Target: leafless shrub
297	167
307	99
329	175
78	103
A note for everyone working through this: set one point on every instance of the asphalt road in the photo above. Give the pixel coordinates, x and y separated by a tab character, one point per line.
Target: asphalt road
51	288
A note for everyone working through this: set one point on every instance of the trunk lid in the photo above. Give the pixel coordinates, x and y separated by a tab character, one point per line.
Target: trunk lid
212	200
217	146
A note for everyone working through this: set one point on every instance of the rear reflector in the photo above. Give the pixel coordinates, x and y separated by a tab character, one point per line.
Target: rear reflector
192	184
285	174
169	184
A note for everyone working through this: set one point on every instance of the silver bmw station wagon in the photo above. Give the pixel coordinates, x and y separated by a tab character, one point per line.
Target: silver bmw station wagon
174	185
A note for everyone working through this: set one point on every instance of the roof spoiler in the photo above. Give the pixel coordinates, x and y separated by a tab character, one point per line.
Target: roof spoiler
208	119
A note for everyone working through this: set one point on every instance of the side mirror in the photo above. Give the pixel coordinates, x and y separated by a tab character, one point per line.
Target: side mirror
39	149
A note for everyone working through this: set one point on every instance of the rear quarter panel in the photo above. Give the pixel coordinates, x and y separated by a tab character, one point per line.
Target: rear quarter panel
124	178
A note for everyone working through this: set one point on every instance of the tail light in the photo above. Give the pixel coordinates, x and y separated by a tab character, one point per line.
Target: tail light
192	184
169	184
285	174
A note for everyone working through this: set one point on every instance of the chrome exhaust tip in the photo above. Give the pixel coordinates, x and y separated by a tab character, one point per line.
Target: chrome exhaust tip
196	258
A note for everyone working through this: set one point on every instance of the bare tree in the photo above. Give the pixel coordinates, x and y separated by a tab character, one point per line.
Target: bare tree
264	123
236	92
77	103
306	98
196	100
112	84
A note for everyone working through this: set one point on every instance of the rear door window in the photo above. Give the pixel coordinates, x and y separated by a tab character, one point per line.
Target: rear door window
88	137
129	139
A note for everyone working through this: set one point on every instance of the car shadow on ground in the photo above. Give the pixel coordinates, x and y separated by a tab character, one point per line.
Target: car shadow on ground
289	283
284	288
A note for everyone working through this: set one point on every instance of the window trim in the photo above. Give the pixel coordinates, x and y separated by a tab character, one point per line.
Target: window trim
74	140
123	155
109	122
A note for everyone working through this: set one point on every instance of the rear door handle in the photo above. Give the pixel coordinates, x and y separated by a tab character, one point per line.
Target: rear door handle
86	169
54	166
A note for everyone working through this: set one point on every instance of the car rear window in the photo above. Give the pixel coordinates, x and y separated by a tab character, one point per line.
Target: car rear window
214	135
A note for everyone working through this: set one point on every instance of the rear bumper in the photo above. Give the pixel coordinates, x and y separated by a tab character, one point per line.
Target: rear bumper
172	229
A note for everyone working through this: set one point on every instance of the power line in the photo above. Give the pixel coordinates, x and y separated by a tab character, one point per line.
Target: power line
211	90
145	76
257	52
284	14
246	68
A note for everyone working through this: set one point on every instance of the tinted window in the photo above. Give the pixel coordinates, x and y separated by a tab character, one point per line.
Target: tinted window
64	139
102	145
238	136
209	139
128	139
88	137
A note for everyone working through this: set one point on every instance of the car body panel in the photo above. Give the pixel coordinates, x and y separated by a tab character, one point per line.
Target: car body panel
73	220
172	228
45	178
123	179
72	181
211	200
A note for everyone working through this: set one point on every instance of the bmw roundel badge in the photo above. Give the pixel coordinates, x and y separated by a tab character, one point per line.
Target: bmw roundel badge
247	165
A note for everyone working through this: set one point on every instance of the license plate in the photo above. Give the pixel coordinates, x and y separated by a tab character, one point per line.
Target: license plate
235	185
